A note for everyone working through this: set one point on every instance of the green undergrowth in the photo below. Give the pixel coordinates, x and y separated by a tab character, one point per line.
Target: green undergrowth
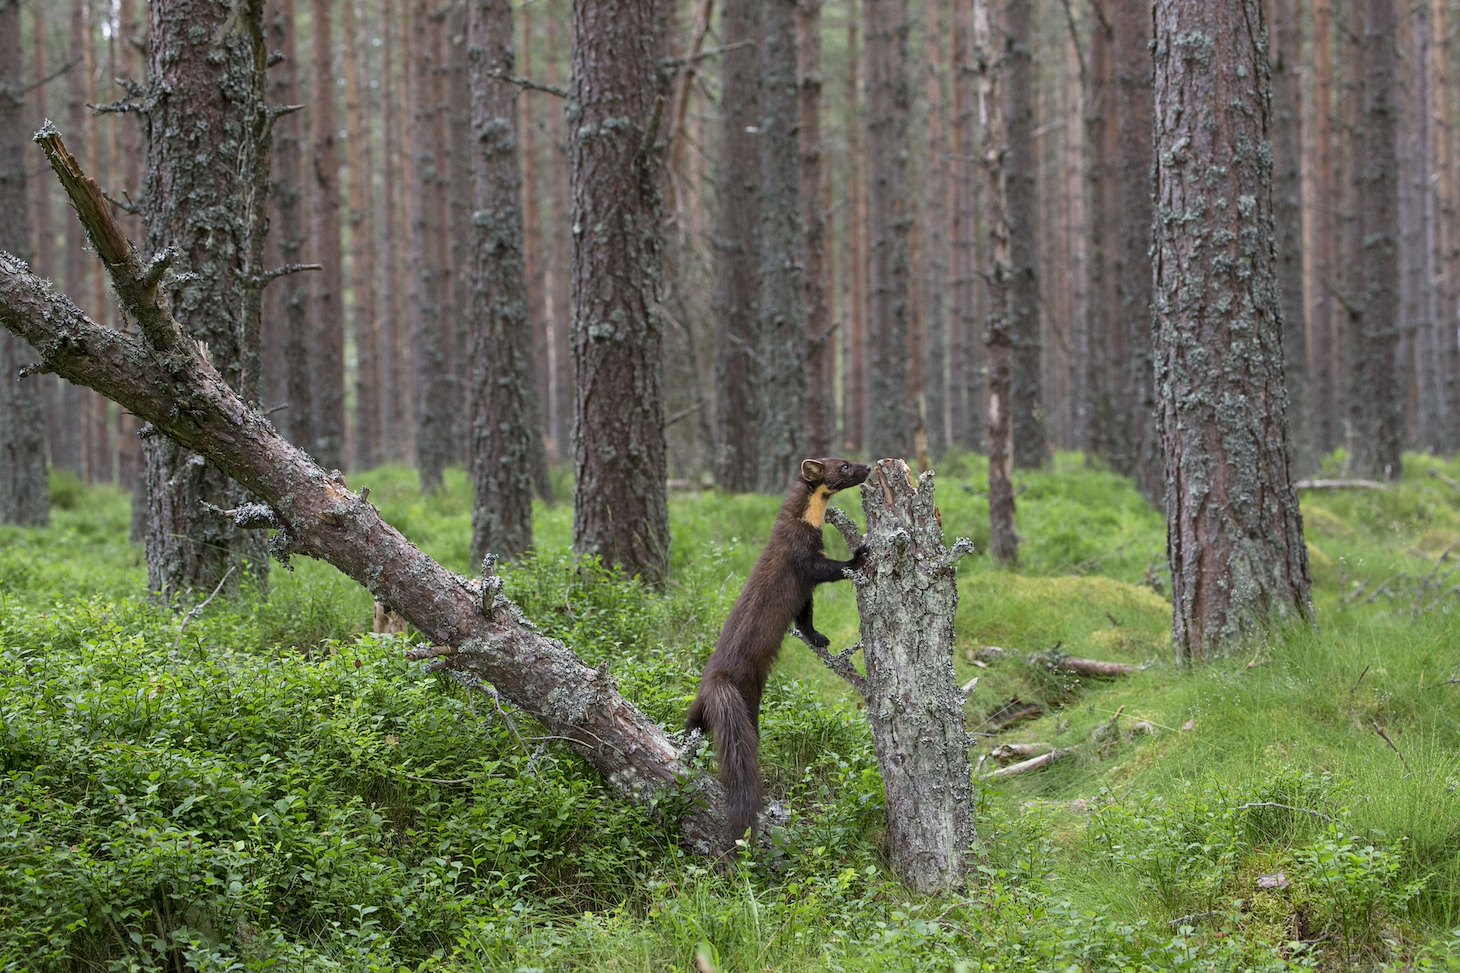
265	786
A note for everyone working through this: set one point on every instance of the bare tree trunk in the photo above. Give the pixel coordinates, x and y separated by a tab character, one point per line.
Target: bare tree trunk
966	385
1234	533
327	345
620	508
1287	211
207	186
737	250
1375	406
1003	537
1026	405
907	598
1104	418
937	217
1320	235
1139	456
892	412
503	414
820	335
431	378
24	495
781	320
364	266
395	420
854	420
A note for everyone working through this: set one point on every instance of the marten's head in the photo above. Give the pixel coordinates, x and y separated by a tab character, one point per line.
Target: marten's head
832	474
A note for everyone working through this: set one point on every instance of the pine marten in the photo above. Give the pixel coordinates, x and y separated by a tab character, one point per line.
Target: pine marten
777	593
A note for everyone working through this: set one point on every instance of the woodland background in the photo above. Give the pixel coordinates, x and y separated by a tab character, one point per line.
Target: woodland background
365	361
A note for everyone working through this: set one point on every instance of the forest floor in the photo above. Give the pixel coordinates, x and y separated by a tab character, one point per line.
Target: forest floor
264	786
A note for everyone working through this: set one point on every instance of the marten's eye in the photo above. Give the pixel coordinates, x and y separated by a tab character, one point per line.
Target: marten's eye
846	467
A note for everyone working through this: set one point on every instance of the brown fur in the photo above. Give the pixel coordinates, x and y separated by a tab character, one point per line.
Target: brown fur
777	593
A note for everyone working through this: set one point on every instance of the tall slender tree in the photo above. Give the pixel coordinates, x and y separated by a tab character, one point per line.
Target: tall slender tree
207	186
892	411
1234	533
1129	331
327	344
781	319
504	408
1375	408
24	497
1022	192
620	509
737	248
993	139
821	350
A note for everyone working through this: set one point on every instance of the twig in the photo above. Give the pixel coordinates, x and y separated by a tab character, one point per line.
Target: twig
1385	737
1340	485
1355	686
841	663
284	271
1448	481
1032	764
528	84
679	62
197	610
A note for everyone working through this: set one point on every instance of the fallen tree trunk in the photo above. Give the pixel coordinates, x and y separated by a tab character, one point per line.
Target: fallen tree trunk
165	377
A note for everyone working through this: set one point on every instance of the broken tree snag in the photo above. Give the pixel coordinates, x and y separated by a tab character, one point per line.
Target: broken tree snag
906	595
166	378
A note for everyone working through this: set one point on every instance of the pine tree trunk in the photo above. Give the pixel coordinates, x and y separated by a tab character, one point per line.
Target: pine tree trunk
737	250
854	421
620	508
966	386
24	495
327	342
892	416
1375	404
820	334
1234	534
1003	538
364	266
780	378
937	217
1031	449
206	188
430	378
504	413
1287	206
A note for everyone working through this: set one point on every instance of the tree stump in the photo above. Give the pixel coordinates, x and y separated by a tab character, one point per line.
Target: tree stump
907	595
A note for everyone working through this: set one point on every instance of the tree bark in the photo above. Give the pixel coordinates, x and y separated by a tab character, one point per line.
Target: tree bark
327	344
820	334
207	185
1031	450
737	249
24	494
780	378
365	268
892	409
1374	405
1003	538
166	377
1234	533
503	413
907	596
620	509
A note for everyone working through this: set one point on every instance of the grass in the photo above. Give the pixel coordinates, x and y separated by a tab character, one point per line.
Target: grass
269	787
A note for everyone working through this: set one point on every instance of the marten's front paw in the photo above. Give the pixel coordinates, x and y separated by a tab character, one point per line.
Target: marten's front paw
817	639
859	558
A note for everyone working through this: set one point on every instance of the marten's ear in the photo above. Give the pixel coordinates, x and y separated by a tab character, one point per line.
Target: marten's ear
812	470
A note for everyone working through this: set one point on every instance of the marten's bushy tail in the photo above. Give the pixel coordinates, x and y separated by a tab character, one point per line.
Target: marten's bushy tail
721	710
